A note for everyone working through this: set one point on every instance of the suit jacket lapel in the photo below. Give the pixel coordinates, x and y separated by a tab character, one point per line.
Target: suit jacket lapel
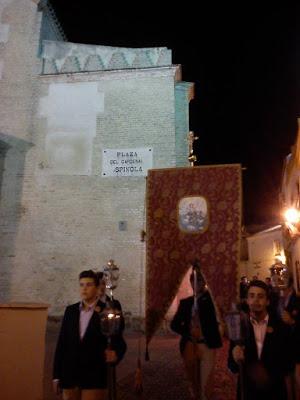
76	322
251	339
268	339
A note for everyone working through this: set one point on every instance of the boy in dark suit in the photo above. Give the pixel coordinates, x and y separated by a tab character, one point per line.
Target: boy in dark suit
81	357
196	321
266	353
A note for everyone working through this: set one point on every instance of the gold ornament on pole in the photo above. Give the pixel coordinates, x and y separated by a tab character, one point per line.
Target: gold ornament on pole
111	275
192	157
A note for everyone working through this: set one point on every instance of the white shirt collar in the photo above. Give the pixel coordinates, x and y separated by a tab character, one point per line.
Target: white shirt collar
87	307
264	321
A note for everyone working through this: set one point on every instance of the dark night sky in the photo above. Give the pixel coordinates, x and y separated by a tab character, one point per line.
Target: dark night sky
245	63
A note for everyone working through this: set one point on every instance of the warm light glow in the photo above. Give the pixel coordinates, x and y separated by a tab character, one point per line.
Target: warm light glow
292	216
110	315
281	257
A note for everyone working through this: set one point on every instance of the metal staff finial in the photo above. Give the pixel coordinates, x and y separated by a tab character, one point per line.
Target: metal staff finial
111	275
192	157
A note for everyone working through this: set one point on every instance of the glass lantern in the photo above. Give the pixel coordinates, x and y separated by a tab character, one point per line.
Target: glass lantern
279	275
233	323
110	321
111	275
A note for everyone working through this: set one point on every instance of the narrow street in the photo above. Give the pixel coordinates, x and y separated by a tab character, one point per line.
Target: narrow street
163	376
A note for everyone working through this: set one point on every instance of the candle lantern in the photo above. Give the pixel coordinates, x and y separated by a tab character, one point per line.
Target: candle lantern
110	320
279	275
233	323
279	281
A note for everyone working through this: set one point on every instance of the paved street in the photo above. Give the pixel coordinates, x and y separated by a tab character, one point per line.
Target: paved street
163	376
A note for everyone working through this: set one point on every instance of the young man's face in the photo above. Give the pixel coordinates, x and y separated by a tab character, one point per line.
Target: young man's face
88	289
257	299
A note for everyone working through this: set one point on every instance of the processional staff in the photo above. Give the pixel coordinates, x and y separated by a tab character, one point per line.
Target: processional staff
110	321
192	157
233	322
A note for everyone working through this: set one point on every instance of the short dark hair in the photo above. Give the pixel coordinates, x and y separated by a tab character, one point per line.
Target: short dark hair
260	284
89	274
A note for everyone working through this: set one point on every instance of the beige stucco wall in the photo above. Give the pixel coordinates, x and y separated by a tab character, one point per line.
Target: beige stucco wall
261	247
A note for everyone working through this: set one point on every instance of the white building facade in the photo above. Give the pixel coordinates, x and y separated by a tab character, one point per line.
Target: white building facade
80	126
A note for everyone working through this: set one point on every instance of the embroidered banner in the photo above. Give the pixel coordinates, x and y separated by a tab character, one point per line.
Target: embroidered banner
192	213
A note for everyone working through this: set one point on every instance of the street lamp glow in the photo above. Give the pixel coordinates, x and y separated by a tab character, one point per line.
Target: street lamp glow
281	258
292	215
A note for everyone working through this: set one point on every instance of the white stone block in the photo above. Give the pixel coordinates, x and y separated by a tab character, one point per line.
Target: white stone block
4	31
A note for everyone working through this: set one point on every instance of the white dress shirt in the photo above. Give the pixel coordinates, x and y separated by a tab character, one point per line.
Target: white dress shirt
260	329
86	312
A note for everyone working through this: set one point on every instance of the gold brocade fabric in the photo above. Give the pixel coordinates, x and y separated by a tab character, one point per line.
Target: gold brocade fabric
175	236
